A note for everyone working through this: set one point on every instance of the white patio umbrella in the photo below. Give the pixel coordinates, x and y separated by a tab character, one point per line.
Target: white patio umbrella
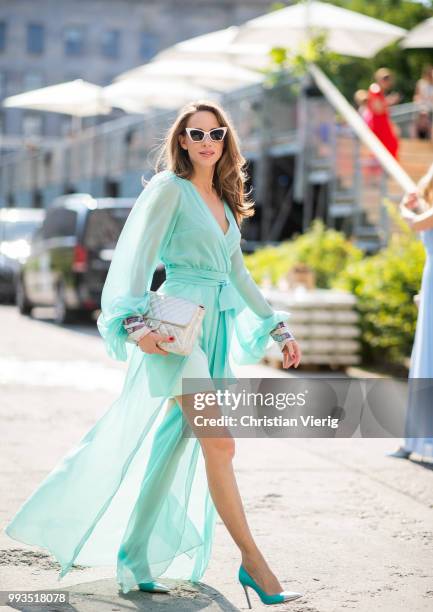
421	37
135	95
348	32
210	74
77	98
218	46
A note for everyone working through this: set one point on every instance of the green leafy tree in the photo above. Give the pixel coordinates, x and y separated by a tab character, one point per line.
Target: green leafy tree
349	73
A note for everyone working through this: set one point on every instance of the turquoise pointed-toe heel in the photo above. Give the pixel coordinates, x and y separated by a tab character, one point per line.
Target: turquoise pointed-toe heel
246	581
153	587
400	453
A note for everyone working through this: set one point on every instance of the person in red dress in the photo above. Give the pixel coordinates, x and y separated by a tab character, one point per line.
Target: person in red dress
377	115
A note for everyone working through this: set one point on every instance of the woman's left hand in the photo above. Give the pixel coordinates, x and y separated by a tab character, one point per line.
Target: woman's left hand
291	354
409	201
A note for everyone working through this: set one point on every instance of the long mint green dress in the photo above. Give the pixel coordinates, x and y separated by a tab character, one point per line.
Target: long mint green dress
133	492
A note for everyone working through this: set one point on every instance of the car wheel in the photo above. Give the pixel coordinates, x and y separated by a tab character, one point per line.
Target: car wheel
62	314
25	307
85	316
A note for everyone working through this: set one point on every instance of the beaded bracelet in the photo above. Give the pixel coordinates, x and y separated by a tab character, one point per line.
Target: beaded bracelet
136	328
282	335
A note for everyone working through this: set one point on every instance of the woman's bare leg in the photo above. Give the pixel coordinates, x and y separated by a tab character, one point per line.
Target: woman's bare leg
218	454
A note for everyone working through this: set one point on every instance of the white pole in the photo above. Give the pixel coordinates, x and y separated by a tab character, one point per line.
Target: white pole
308	7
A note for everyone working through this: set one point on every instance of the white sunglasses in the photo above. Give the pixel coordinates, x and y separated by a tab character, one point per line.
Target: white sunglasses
197	135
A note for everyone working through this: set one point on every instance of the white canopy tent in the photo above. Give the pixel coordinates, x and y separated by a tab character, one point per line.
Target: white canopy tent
218	46
217	75
168	83
135	95
348	32
421	37
77	98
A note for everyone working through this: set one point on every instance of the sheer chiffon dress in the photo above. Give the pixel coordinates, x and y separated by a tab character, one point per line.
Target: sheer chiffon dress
133	492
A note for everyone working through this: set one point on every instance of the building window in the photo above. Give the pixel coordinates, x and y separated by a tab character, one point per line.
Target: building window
108	79
72	76
148	45
110	46
32	124
59	222
3	28
35	38
2	85
65	125
74	40
32	80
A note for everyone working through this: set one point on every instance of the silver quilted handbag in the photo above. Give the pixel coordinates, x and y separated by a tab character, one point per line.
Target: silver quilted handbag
177	317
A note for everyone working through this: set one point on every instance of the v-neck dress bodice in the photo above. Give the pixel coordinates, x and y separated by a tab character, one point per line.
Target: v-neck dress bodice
133	493
204	203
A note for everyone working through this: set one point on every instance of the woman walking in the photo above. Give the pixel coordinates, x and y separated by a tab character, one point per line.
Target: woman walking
419	419
136	492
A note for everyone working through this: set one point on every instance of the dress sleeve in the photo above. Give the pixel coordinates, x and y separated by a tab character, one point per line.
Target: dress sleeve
241	278
139	248
256	319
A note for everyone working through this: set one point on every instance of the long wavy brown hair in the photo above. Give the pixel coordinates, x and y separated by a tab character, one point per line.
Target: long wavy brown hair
229	177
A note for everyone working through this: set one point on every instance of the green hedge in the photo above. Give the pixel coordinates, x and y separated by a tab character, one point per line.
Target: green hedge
326	251
384	284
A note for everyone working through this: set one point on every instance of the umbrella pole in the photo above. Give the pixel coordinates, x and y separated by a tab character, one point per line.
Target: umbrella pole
308	19
94	150
77	124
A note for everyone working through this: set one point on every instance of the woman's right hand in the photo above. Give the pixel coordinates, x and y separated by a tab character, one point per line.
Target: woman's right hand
149	343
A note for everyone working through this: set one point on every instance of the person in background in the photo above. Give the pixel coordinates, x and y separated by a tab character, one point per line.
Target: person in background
424	88
360	98
377	113
417	210
422	127
424	97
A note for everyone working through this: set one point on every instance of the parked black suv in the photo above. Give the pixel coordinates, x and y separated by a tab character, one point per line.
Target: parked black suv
70	255
17	225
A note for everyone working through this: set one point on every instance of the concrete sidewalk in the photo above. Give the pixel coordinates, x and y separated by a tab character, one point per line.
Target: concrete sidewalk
336	519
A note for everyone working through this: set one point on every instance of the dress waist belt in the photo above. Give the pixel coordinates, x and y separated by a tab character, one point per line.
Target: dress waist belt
228	296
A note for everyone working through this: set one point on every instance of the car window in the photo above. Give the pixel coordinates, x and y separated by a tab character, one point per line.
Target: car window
104	226
60	222
19	230
37	235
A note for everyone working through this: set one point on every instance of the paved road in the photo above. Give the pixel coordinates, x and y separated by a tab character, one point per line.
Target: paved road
336	519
